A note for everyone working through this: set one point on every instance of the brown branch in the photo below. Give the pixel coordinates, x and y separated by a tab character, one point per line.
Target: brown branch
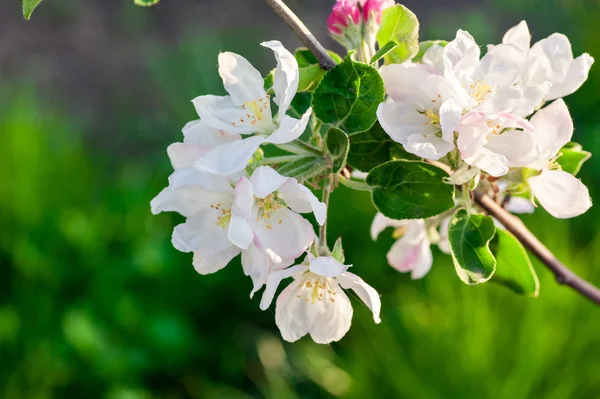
305	36
563	274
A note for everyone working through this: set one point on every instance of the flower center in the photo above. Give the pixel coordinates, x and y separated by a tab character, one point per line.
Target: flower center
266	207
316	288
223	220
433	118
480	90
256	110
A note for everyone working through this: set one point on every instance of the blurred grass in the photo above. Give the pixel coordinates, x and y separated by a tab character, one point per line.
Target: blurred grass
94	301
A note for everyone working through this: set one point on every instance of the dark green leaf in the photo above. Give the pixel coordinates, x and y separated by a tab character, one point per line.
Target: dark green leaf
383	51
300	104
513	268
306	58
348	96
426	45
28	7
400	25
337	146
374	147
572	158
469	237
410	190
145	3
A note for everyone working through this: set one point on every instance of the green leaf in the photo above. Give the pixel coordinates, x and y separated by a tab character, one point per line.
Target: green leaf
426	45
469	237
400	25
145	3
310	77
338	251
300	104
304	168
28	7
410	190
268	82
338	144
306	58
572	158
373	147
513	268
348	96
383	51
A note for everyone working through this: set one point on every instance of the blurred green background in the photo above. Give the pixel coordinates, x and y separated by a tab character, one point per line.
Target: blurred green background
96	303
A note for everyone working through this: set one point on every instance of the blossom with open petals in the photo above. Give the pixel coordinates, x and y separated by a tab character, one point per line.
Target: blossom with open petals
314	303
247	109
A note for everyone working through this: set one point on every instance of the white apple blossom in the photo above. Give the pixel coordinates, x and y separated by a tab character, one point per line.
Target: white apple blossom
424	109
412	250
559	192
314	303
550	61
247	109
258	218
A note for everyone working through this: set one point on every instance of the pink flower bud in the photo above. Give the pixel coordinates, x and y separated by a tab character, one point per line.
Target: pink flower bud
374	8
344	13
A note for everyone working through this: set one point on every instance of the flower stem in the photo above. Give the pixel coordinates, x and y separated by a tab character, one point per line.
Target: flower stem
301	148
354	184
467	197
280	159
327	189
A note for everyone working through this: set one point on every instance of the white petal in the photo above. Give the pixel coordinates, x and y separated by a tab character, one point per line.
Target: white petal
407	83
411	256
273	281
488	161
331	324
230	157
576	75
290	128
191	176
284	232
257	264
241	80
502	65
444	243
549	59
199	133
434	56
519	36
285	82
183	154
504	100
240	230
365	292
472	134
300	199
532	98
450	114
553	129
517	146
461	57
265	180
201	233
382	222
401	120
560	193
520	205
327	266
429	147
187	201
206	262
222	114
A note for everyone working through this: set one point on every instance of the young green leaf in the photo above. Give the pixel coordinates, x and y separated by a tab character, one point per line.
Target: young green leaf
383	51
306	58
513	268
400	25
28	7
410	190
348	96
337	146
572	158
374	147
338	251
310	76
426	45
470	236
145	3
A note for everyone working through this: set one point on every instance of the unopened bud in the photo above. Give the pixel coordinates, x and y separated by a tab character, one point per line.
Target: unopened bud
344	14
372	9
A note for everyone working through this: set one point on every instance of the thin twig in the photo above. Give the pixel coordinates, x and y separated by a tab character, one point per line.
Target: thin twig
563	274
305	36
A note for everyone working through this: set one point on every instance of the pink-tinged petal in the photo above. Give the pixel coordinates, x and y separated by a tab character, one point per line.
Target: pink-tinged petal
201	232
548	61
576	75
519	147
381	222
290	128
243	201
411	256
300	199
406	82
187	200
444	243
257	264
450	114
199	133
327	266
265	180
332	321
183	154
208	263
429	147
284	232
560	193
553	129
243	82
230	157
273	281
502	65
401	120
240	232
221	113
519	36
488	161
285	82
365	292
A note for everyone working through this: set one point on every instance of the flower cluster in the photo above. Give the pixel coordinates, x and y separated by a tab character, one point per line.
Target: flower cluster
499	116
234	206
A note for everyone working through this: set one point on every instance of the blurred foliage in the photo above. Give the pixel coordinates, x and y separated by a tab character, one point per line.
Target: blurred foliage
95	302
